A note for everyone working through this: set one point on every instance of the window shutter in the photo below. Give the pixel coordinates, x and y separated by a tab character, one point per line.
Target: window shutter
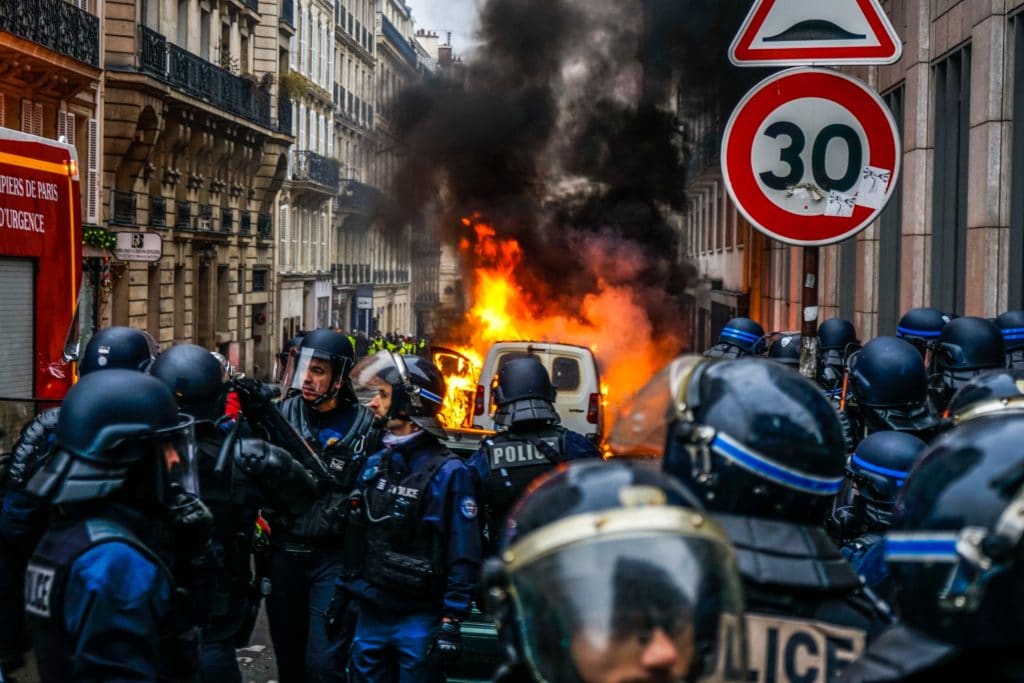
312	131
92	198
69	127
37	119
61	127
330	141
303	36
82	4
26	116
302	126
314	50
283	230
291	52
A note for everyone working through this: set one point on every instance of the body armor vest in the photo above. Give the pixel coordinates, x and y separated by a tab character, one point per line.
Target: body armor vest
514	460
326	517
401	557
46	580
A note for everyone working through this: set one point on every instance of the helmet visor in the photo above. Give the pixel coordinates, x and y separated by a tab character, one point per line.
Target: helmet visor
610	602
642	423
177	444
317	375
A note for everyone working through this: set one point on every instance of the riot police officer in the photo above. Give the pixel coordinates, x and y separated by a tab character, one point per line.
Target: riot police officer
921	327
996	391
837	339
529	441
1011	324
954	553
307	552
419	520
234	486
98	587
24	516
863	509
763	450
888	390
966	347
740	337
617	576
785	349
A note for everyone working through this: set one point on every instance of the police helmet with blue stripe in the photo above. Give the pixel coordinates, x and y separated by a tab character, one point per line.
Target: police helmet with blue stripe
889	384
874	476
417	387
956	547
966	347
921	327
1011	324
740	337
749	436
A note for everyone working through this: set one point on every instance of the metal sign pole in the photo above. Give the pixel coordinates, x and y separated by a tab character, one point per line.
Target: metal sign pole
809	326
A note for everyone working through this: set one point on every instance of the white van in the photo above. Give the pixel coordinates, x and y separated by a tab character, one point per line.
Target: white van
573	371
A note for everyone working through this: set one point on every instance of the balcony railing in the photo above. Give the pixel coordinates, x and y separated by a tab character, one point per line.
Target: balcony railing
315	168
394	36
122	209
182	214
202	79
288	12
264	227
284	115
54	24
157	211
356	196
204	221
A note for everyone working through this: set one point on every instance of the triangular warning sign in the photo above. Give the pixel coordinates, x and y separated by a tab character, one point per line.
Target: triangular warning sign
795	32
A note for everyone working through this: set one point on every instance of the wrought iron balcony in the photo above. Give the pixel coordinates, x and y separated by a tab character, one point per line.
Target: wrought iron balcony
201	79
182	214
264	227
401	44
122	208
54	24
284	114
312	167
356	197
288	12
245	224
157	211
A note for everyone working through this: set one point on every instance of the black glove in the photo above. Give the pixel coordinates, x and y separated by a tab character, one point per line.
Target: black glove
447	641
336	613
192	521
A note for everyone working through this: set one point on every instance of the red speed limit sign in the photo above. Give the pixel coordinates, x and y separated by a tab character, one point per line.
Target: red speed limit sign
810	156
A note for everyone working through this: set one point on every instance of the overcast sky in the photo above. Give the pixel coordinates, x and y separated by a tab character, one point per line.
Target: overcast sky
457	16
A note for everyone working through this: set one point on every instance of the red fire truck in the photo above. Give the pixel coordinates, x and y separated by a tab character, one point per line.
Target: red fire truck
40	275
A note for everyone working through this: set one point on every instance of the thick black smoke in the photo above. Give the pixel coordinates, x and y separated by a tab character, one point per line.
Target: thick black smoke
560	130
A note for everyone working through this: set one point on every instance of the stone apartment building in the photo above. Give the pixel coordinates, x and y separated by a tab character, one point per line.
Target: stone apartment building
952	235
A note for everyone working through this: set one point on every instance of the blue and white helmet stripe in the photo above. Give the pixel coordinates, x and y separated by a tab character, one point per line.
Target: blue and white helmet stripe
912	546
899	475
429	395
740	335
764	467
1013	333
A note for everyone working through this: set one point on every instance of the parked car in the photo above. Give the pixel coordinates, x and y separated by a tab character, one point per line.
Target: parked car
573	371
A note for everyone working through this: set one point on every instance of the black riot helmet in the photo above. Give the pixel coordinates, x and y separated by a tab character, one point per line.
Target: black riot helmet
955	549
605	560
889	384
875	474
417	388
966	347
1011	324
109	422
524	393
321	352
995	391
837	339
748	436
786	350
740	337
922	326
126	348
195	377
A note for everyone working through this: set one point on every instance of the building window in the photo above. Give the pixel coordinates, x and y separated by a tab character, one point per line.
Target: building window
949	191
259	280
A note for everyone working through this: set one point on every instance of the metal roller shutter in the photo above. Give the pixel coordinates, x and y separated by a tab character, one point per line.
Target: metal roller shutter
17	297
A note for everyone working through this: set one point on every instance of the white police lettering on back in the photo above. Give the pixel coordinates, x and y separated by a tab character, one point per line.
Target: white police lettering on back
784	650
38	588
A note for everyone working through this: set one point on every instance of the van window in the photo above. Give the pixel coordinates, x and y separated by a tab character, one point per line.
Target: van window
565	374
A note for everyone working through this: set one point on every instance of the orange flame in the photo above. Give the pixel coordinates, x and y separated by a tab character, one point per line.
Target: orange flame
611	321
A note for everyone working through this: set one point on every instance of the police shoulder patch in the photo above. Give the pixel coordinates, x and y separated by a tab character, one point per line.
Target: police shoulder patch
468	507
38	588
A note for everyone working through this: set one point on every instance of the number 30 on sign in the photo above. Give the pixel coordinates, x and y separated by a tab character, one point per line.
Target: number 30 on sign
810	156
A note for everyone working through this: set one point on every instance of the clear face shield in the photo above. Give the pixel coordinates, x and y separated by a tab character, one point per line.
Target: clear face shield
374	378
642	424
177	444
315	375
642	602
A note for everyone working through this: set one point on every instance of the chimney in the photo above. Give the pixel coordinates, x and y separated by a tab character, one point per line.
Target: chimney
444	56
